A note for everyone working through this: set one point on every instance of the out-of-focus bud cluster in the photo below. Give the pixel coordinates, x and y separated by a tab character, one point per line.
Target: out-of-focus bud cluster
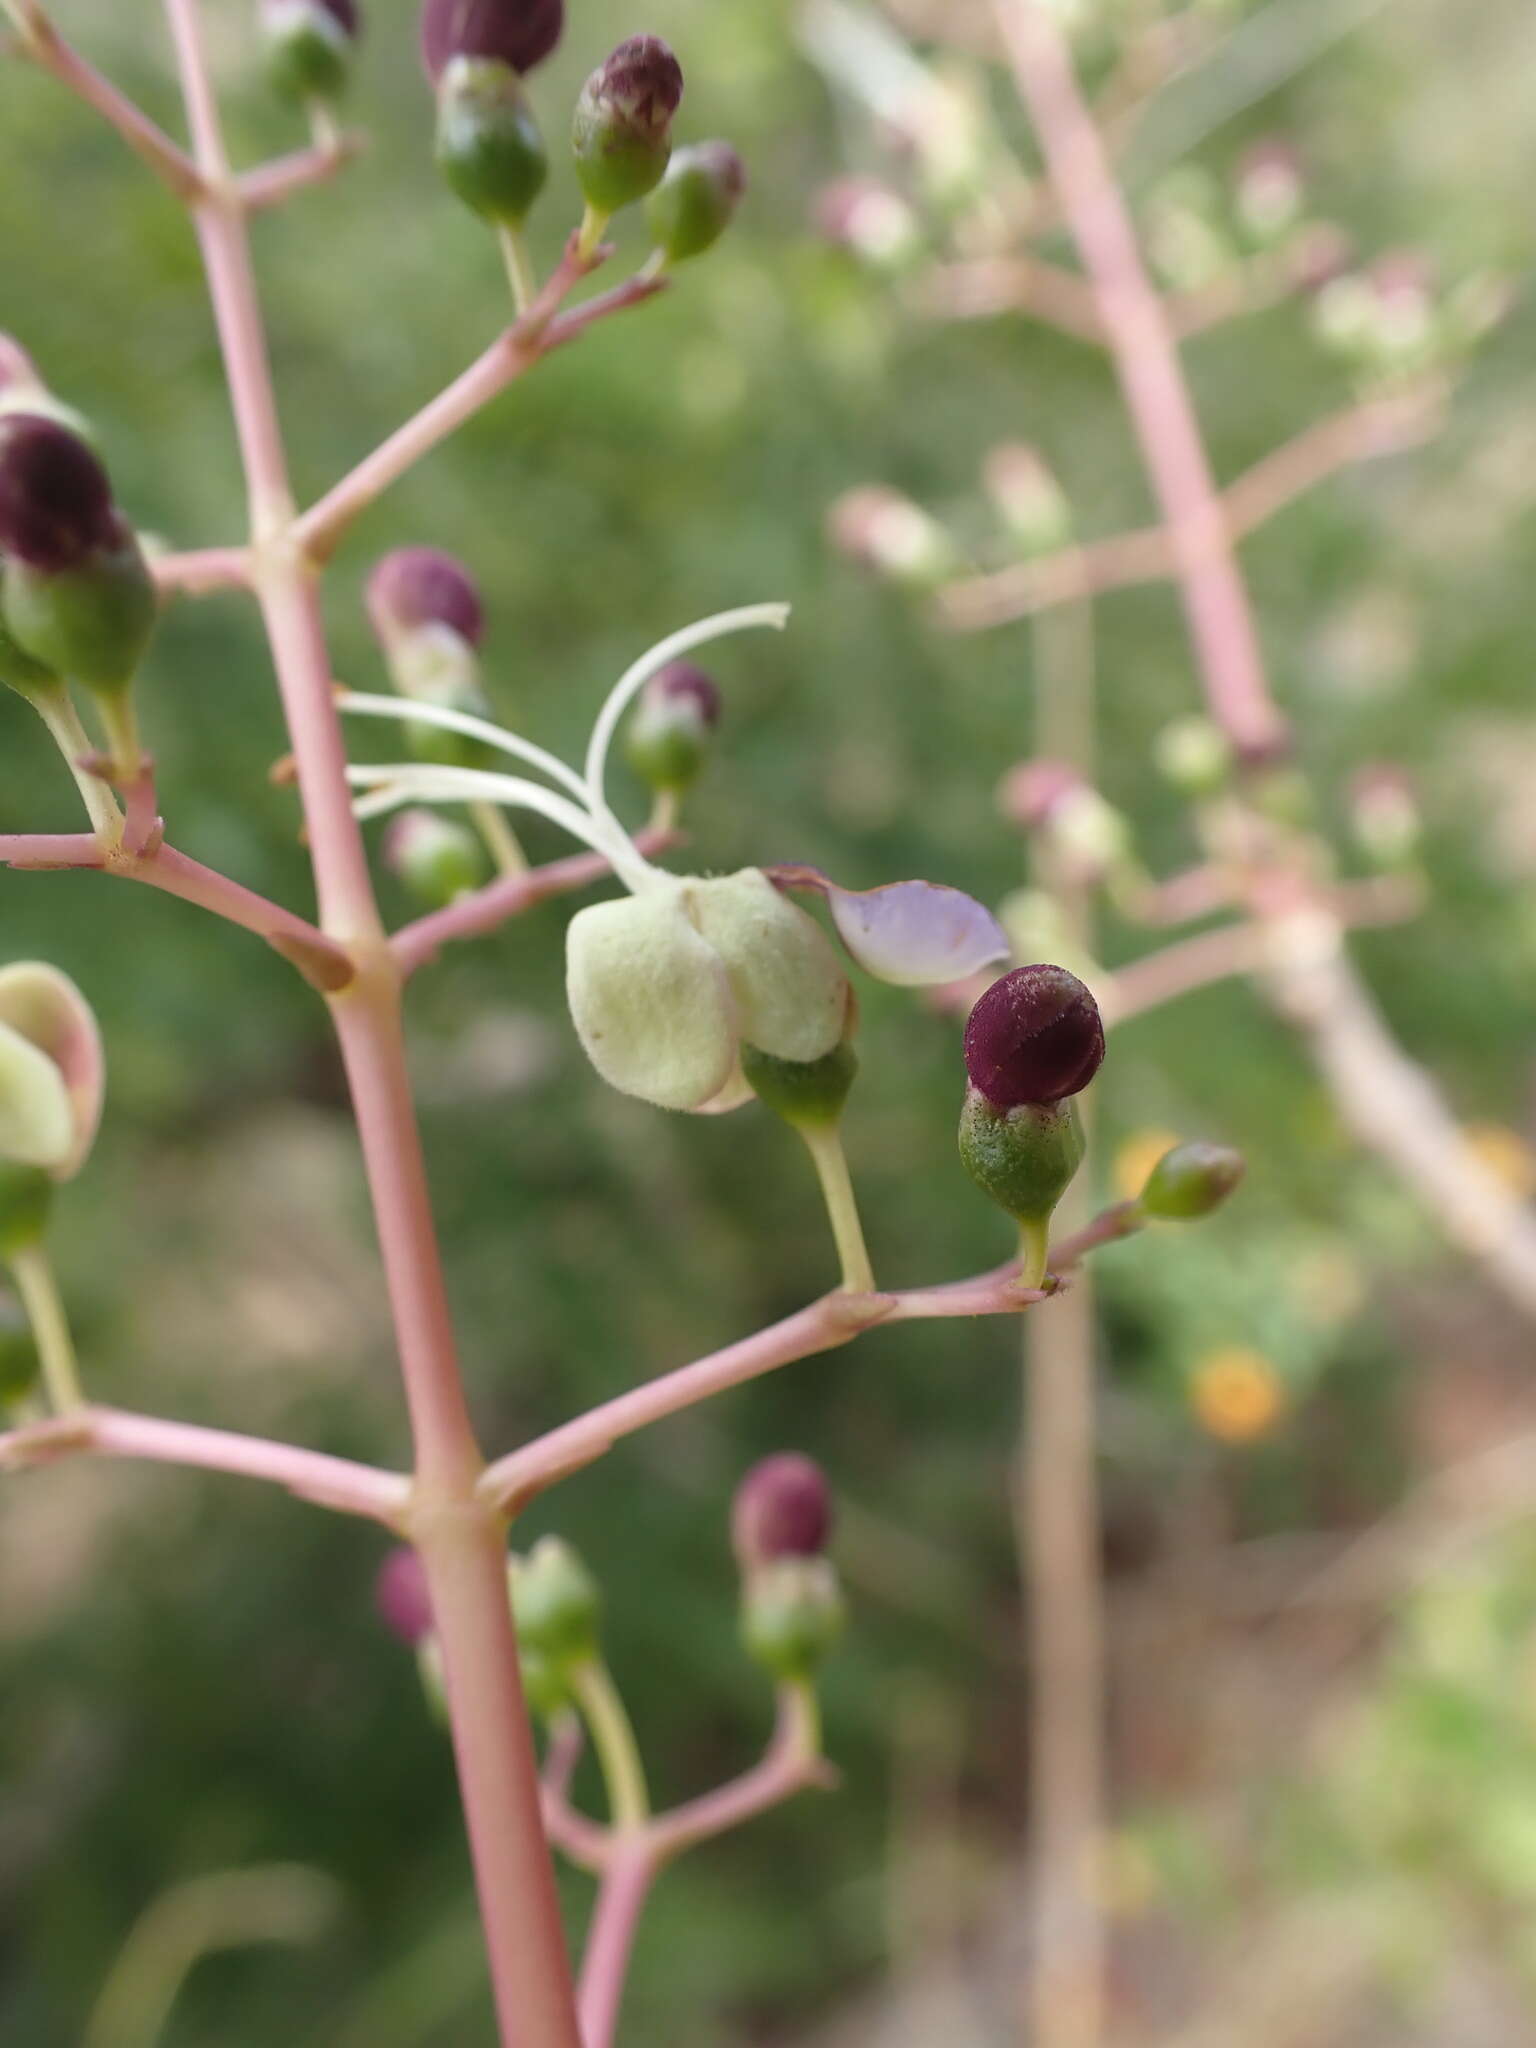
872	221
1384	815
889	533
1028	498
557	1607
1189	229
309	47
792	1610
1394	320
1194	755
1082	838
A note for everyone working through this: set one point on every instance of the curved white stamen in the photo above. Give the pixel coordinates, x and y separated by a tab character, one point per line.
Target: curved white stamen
408	708
406	781
635	678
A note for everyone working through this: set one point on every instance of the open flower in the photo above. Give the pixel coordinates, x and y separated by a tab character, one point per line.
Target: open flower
667	984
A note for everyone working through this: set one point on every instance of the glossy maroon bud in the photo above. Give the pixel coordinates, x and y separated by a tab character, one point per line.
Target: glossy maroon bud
415	587
783	1508
517	32
401	1598
1035	1036
55	500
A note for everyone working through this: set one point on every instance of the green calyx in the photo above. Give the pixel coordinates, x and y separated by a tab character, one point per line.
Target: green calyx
26	1201
802	1091
546	1685
437	859
693	205
307	53
667	744
555	1603
92	622
488	144
19	672
1190	1181
616	163
1025	1157
792	1615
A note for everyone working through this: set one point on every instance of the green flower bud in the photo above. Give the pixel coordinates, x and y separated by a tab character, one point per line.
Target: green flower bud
802	1091
18	671
694	204
545	1685
622	131
1194	755
1023	1157
20	1365
488	144
555	1603
308	46
1191	1181
437	859
792	1615
669	737
26	1201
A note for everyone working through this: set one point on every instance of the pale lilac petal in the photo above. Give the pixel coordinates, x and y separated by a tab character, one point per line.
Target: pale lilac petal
916	934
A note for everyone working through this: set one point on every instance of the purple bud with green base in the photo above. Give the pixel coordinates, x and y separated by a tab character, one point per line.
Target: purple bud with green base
697	199
783	1508
621	135
1191	1181
414	587
489	148
519	33
400	1595
1034	1040
308	47
792	1616
668	739
76	595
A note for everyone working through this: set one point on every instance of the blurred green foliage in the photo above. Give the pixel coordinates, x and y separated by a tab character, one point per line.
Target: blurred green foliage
190	1675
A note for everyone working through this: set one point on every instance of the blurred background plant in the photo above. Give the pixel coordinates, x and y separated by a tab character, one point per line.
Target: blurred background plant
1313	1730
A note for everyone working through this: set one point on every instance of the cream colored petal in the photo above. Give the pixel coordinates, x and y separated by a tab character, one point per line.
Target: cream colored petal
37	1122
791	992
45	1007
650	1000
737	1091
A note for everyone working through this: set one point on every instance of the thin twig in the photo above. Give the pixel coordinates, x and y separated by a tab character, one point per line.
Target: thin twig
315	1476
41	42
270	184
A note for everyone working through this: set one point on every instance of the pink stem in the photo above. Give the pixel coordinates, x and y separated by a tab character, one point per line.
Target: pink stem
41	41
585	1841
270	184
790	1764
204	569
509	356
833	1321
487	909
621	1897
45	850
1156	395
114	1433
460	1541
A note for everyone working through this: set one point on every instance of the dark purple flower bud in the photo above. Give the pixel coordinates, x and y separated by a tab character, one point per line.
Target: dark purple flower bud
415	587
1035	1036
783	1508
55	500
517	32
401	1598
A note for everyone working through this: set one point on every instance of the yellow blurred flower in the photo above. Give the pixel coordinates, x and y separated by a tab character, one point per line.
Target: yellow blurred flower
1236	1394
1506	1155
1135	1159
